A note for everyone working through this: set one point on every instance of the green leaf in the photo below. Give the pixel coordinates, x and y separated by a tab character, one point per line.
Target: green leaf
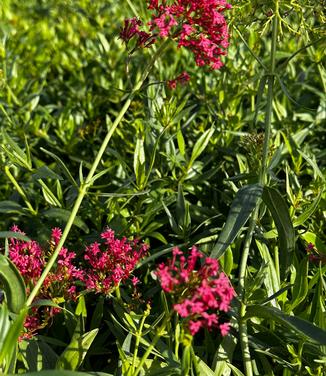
74	354
200	146
302	327
300	288
7	207
63	215
280	213
242	206
139	161
14	152
37	355
15	235
62	167
13	284
4	323
271	279
10	342
308	212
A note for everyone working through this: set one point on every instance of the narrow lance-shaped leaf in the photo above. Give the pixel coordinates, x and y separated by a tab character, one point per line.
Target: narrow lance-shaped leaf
74	354
280	213
302	327
242	206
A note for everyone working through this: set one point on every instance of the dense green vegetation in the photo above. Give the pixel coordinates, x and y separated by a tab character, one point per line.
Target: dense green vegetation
184	167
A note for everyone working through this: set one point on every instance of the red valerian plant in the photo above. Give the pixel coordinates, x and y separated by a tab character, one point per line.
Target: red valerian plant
201	293
106	265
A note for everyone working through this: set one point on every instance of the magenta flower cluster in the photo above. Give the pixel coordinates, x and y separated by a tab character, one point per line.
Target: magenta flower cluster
200	293
198	25
111	262
104	266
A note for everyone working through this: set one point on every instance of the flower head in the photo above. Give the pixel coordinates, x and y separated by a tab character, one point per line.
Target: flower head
200	293
111	262
198	25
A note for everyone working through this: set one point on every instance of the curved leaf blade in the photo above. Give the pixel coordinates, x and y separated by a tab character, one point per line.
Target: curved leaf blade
280	213
302	327
13	284
242	206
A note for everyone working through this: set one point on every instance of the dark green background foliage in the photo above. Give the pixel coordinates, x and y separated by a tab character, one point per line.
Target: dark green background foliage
178	158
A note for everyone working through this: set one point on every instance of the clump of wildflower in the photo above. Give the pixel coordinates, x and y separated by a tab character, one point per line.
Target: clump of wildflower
200	293
30	259
112	262
198	25
182	79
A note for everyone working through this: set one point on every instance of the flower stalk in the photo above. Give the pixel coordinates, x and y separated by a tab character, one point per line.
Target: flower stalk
262	180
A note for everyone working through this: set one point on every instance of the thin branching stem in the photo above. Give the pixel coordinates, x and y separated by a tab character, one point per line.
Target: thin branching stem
262	180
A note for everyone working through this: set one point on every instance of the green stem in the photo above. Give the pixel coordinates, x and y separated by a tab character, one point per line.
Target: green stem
19	190
138	337
88	182
262	180
150	348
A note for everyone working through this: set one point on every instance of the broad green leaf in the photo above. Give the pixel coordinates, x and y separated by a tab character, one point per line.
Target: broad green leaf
13	284
308	212
74	354
302	327
63	215
242	206
280	213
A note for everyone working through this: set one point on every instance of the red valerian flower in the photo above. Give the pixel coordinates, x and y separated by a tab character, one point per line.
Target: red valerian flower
200	293
111	262
198	25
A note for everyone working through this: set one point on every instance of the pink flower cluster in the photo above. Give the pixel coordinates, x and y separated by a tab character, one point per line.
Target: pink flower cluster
112	262
105	266
200	293
198	25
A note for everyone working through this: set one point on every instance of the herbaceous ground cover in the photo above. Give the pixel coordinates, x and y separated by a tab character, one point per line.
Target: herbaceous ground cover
162	187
